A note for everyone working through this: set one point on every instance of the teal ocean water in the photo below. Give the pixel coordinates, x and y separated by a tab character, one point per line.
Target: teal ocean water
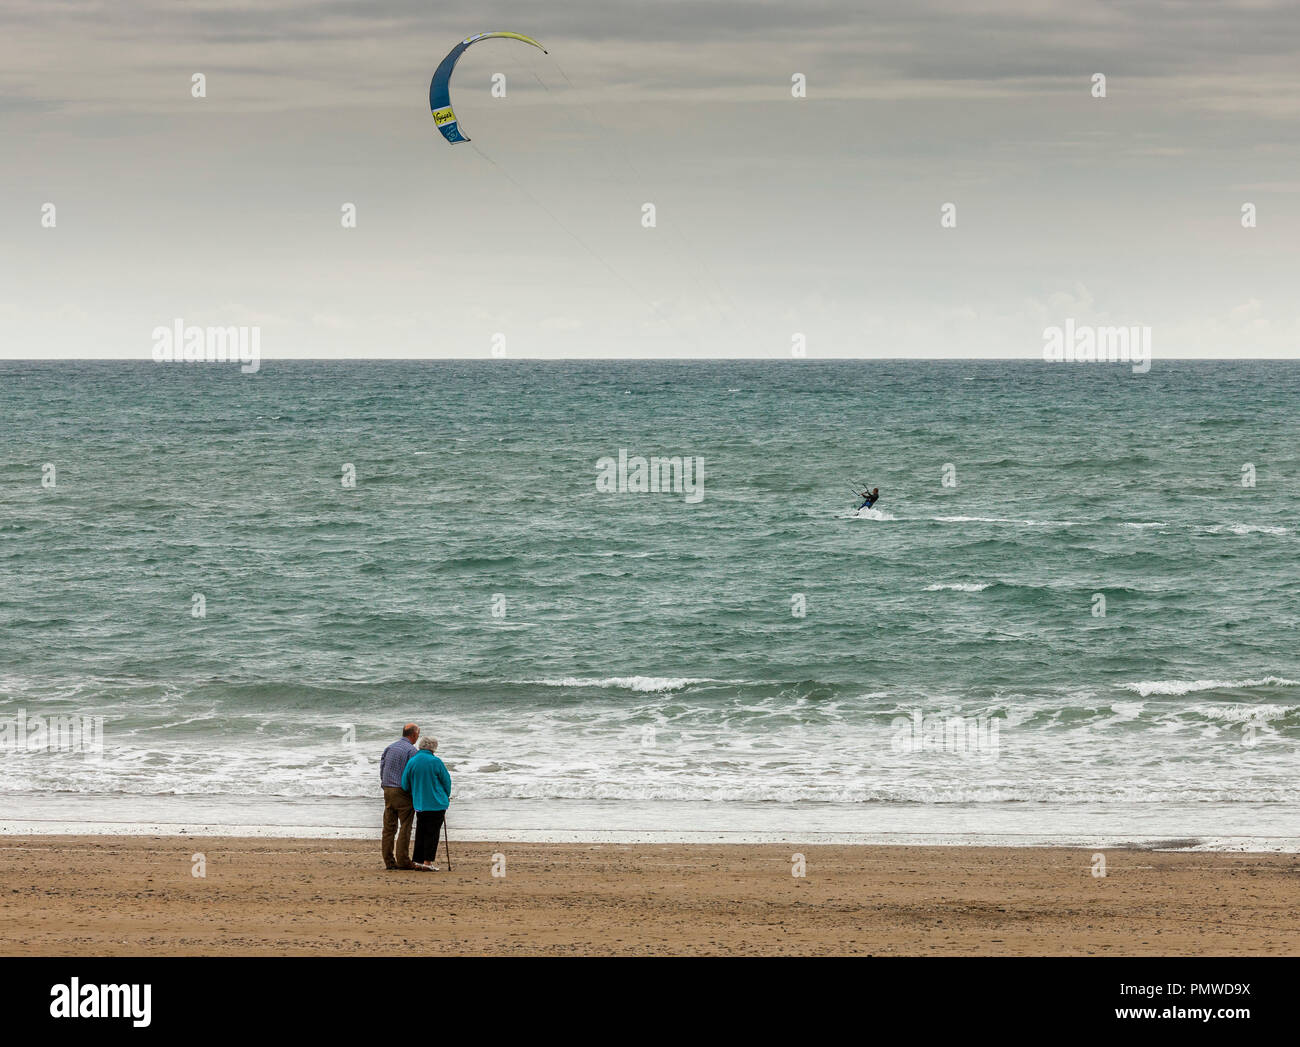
761	659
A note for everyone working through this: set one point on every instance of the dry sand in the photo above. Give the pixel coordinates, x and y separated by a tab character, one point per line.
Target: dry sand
109	896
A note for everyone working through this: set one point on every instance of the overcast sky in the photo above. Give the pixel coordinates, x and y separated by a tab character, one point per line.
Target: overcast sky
775	214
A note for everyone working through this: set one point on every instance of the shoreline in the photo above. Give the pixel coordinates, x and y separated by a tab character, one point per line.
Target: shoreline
122	895
19	828
1261	828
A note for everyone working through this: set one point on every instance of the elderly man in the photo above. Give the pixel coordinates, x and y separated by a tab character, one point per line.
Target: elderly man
397	801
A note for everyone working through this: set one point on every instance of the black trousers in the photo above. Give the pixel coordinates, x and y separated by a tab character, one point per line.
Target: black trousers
428	824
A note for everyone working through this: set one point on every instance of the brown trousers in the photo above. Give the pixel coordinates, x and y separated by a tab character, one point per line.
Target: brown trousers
397	808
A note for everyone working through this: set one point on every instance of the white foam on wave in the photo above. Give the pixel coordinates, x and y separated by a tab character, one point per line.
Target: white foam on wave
1004	520
1240	528
872	514
1243	713
629	683
1140	524
961	587
1175	687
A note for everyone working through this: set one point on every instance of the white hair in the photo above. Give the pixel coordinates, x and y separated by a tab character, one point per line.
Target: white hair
428	741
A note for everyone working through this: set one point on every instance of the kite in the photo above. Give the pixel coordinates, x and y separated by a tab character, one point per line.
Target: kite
440	86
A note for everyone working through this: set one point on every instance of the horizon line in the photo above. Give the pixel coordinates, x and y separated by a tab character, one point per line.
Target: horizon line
633	359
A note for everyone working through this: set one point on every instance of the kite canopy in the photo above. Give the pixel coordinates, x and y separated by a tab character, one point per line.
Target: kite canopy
440	87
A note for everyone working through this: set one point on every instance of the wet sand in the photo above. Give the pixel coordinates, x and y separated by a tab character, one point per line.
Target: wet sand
113	896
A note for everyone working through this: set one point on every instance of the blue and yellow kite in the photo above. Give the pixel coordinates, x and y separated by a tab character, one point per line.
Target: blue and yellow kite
440	87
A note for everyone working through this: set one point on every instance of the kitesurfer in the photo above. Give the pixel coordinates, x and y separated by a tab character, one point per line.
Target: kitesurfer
869	498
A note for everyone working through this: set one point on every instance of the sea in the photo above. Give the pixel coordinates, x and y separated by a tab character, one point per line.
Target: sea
1072	617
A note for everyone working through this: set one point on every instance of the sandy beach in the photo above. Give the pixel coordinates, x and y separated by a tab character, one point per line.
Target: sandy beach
112	896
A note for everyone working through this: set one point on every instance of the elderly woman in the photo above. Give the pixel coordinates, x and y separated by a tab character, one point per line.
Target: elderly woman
425	777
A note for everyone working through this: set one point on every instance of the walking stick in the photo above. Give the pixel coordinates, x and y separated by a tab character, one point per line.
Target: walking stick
447	840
